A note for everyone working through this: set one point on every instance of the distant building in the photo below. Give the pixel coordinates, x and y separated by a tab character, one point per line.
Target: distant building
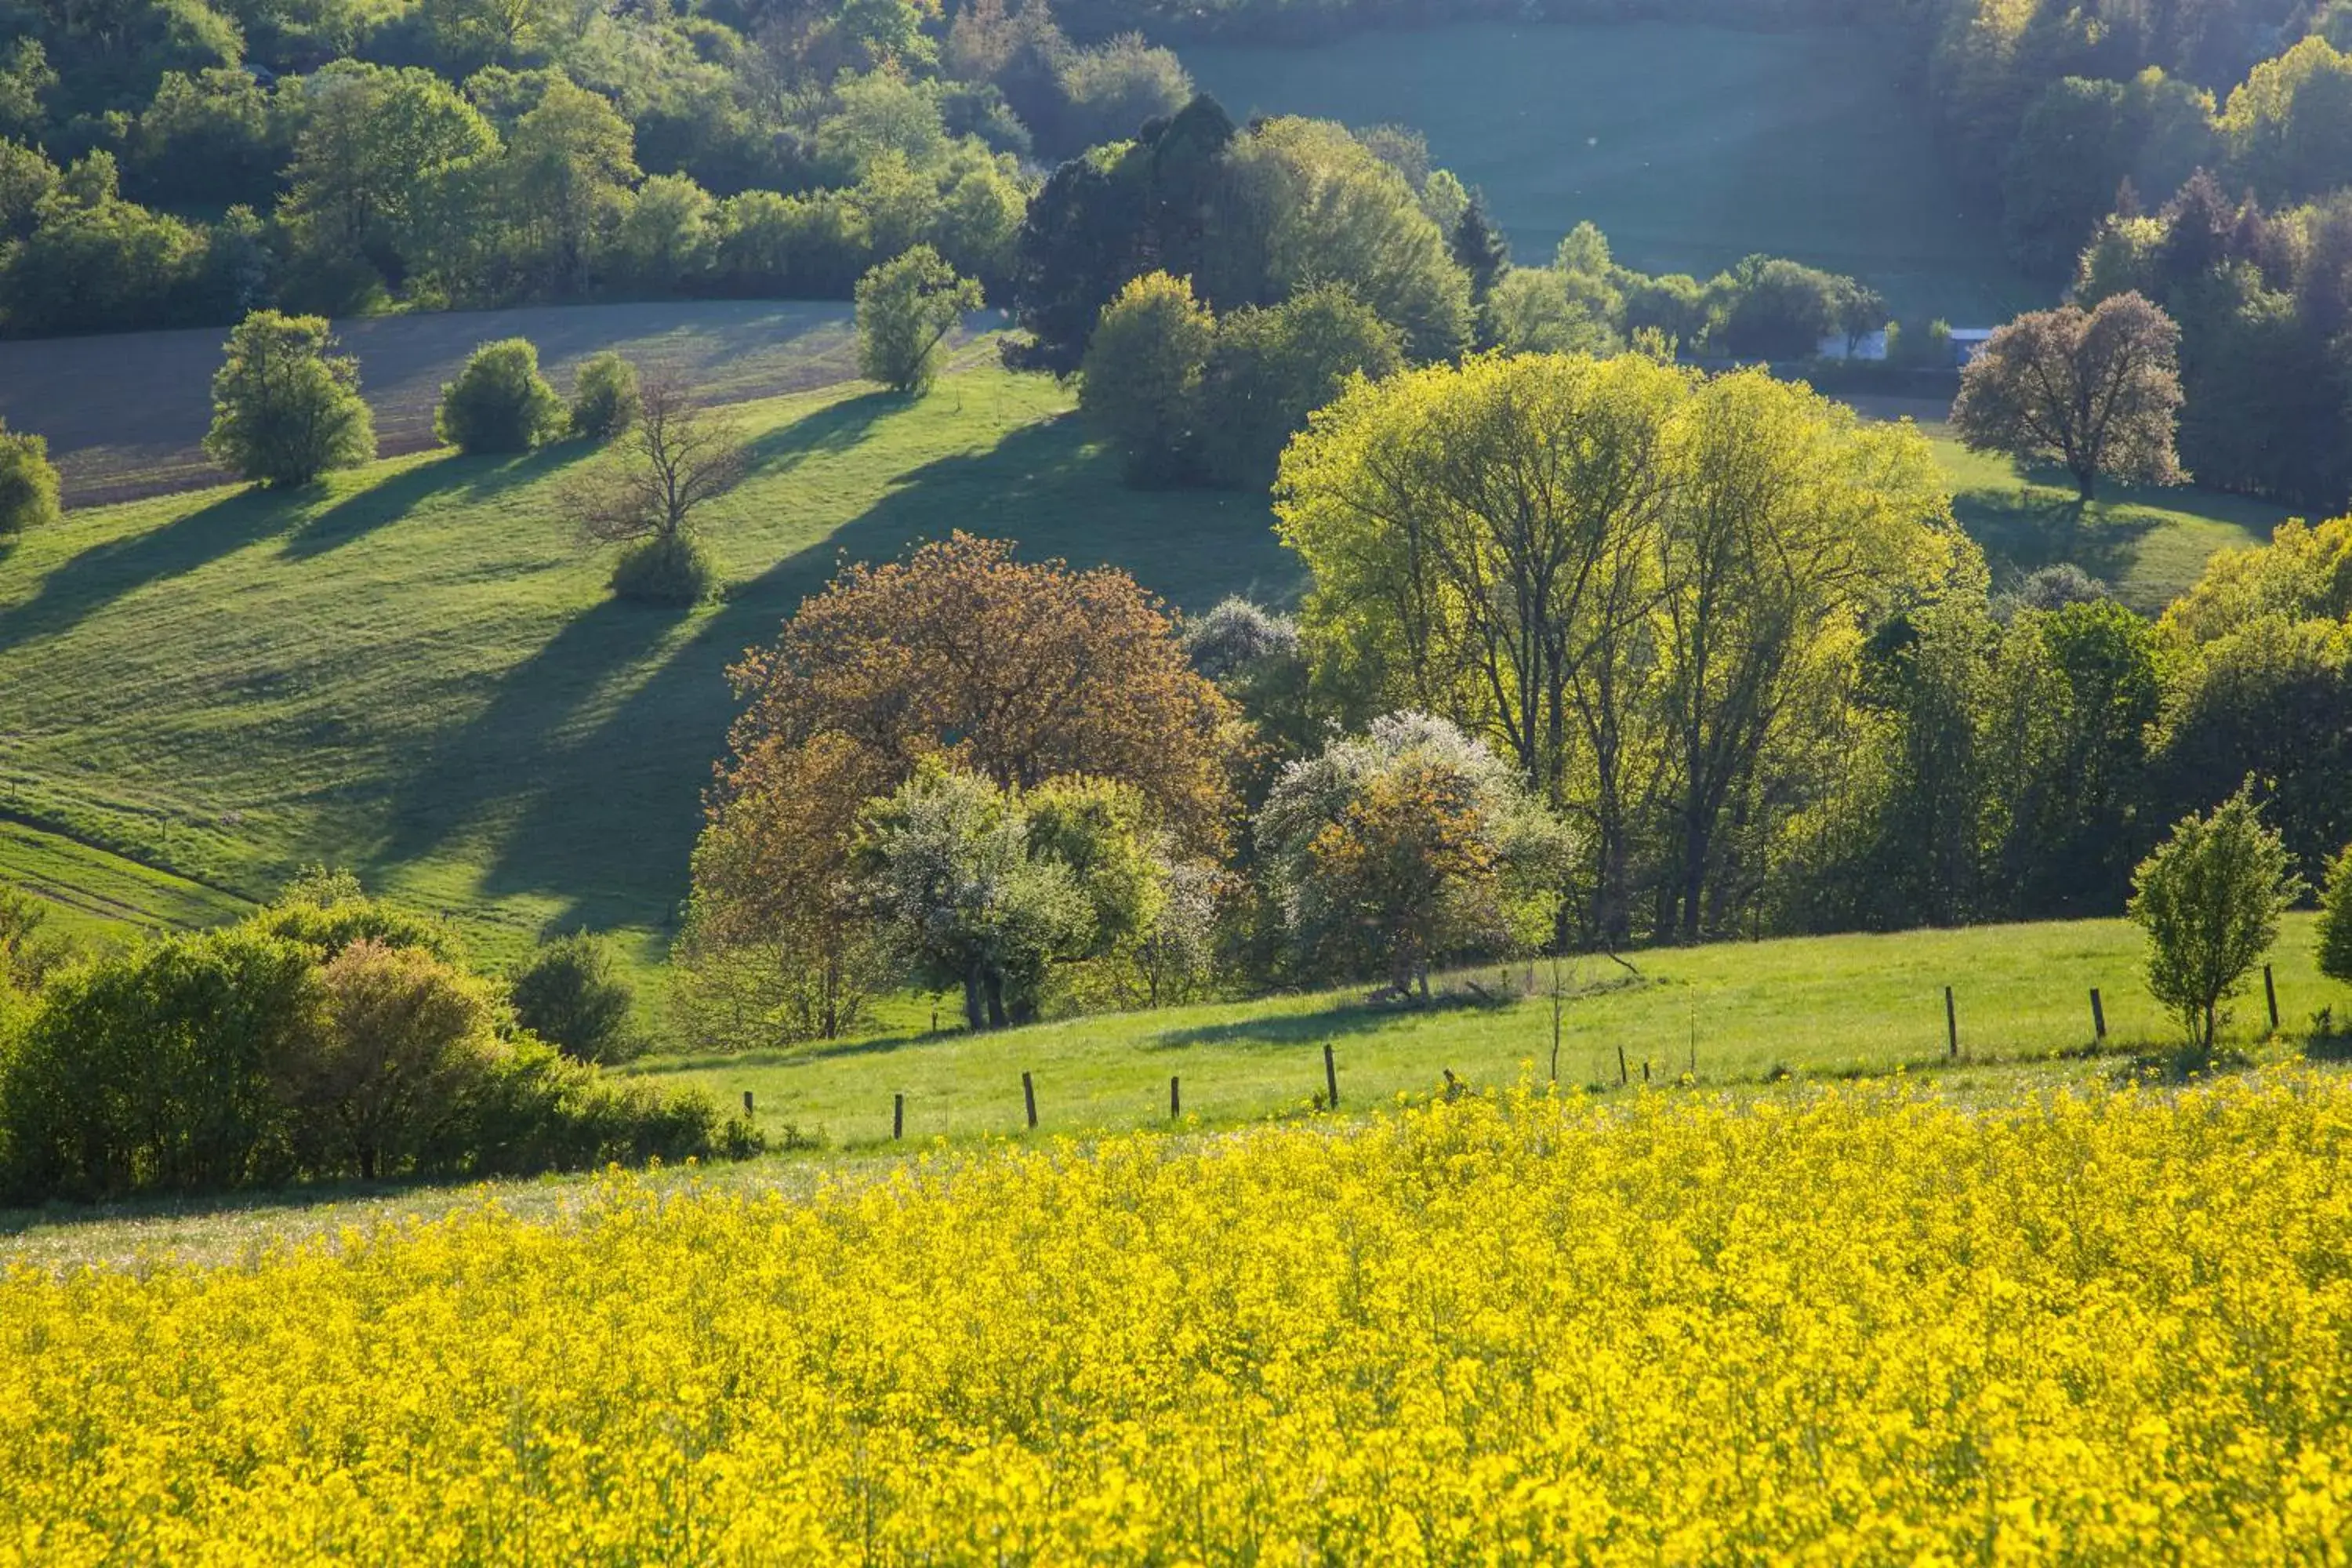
1869	346
1969	341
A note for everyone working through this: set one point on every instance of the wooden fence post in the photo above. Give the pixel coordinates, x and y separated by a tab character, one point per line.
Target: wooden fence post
1952	1022
898	1116
1029	1097
1622	1077
1330	1075
2270	994
746	1102
1175	1098
2098	1016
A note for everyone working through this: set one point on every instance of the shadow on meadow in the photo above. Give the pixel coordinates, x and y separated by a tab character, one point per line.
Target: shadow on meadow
463	478
1359	1018
88	583
2026	529
604	817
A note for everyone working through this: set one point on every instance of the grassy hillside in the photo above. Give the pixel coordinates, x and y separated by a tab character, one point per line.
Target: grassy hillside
414	668
2148	544
1734	1014
1692	146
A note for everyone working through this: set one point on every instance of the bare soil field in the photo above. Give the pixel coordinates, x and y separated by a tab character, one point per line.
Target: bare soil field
125	415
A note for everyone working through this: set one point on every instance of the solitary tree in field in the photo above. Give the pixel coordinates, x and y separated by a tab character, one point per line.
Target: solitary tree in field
2210	898
2097	392
285	409
673	458
28	482
906	308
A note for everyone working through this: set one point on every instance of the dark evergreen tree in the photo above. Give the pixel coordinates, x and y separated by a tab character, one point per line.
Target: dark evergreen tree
1480	246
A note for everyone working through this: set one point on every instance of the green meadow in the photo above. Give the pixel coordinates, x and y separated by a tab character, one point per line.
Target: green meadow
414	668
1691	146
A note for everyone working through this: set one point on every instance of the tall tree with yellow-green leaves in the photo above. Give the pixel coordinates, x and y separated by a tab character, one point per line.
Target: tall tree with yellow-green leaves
1644	587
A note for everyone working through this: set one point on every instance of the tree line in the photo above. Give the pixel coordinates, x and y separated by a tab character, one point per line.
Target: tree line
170	161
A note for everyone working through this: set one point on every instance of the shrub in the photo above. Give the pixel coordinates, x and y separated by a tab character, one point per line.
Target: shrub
2336	919
499	402
329	926
28	482
571	995
605	401
906	308
284	409
536	1109
667	569
403	1038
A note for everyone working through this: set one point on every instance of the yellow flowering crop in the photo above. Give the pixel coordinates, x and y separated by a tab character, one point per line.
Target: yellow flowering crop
1860	1326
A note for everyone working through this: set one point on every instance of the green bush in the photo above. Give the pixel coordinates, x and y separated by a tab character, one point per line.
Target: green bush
28	482
499	402
604	400
284	409
2336	919
238	1058
152	1071
571	995
329	927
667	569
536	1109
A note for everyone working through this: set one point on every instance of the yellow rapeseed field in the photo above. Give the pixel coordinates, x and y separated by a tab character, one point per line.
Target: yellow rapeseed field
1862	1325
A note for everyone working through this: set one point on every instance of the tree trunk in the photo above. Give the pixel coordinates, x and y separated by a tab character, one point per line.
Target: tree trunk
996	1019
2087	485
974	1015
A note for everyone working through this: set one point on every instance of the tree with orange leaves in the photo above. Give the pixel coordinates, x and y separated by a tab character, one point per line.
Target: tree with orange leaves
958	654
1024	672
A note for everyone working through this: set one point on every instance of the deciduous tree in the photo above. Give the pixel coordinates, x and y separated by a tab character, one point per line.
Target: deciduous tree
2210	899
1408	845
674	456
1020	672
1141	375
285	408
2097	392
907	307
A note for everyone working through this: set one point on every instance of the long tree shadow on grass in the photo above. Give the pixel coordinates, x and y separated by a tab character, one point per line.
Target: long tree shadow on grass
494	755
363	511
2025	531
1289	1029
116	568
836	427
607	820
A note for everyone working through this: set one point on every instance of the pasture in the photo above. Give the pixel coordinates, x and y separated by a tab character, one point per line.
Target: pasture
414	668
1729	1014
1691	146
2146	544
124	416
